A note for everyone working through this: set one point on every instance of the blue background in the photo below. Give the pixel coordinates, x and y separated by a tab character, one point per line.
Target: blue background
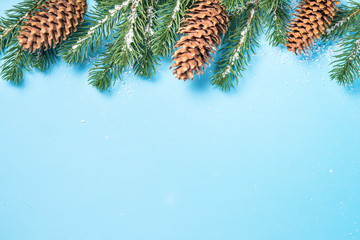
276	158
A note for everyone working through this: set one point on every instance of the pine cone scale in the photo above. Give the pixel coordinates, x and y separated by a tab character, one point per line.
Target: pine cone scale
51	23
202	29
310	22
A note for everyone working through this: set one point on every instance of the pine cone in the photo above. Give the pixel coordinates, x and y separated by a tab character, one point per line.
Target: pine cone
311	20
51	24
204	25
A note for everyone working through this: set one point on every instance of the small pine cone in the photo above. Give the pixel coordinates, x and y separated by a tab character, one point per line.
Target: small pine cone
310	22
51	24
204	26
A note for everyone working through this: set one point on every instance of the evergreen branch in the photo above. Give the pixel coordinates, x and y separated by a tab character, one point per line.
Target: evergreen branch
347	18
108	3
123	50
276	17
16	61
146	63
232	4
168	21
239	45
98	29
14	19
42	60
347	64
104	71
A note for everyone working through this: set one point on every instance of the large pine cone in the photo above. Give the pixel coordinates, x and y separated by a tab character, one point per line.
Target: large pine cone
51	23
311	20
204	25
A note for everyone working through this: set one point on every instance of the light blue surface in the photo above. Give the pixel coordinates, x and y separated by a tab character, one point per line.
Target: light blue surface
278	158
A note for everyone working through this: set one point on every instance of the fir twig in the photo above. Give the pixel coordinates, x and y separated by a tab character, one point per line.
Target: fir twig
98	28
146	62
13	19
277	17
168	22
345	20
42	60
16	61
233	4
345	69
238	46
101	75
123	50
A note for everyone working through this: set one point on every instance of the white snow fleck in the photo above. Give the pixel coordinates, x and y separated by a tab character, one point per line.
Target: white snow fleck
130	34
176	10
236	56
93	29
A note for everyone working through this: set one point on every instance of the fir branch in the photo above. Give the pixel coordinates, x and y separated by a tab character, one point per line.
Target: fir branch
346	19
104	71
232	4
16	61
42	60
97	30
123	50
239	45
276	17
13	19
168	21
146	63
346	67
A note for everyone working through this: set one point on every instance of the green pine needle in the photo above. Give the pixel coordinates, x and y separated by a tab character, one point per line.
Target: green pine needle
277	17
238	46
136	33
146	63
168	19
345	20
102	74
16	61
42	60
346	66
123	50
98	28
13	19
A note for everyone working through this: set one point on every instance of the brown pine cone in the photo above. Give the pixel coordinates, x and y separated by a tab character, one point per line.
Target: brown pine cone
203	27
310	22
51	24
